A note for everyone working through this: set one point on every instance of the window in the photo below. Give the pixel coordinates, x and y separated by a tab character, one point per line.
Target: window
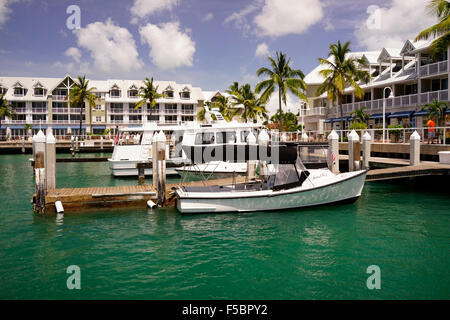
226	137
39	92
185	95
187	118
169	93
98	107
3	90
117	118
133	93
18	105
60	117
98	94
171	119
187	108
39	117
60	92
170	108
153	118
154	109
118	107
410	89
19	91
135	118
98	119
114	93
204	138
39	105
76	117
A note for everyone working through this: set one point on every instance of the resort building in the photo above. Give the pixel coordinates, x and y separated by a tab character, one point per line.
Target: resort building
405	79
41	103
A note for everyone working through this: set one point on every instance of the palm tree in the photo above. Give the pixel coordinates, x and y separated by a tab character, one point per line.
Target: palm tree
440	8
436	109
246	97
281	75
5	109
202	112
79	94
148	93
224	105
360	115
342	71
233	88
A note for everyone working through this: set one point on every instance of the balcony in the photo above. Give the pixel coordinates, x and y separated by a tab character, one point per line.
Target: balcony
170	111
39	110
76	110
187	111
42	121
60	110
18	121
116	121
135	111
115	111
400	101
170	122
433	68
58	97
60	121
20	110
134	121
320	111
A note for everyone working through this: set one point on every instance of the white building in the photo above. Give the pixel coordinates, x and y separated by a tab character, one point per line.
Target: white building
413	76
41	103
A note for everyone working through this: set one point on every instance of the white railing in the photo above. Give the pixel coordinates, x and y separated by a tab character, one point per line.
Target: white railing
135	111
187	111
115	111
392	135
170	111
135	121
60	121
317	111
60	110
433	68
20	110
39	110
58	97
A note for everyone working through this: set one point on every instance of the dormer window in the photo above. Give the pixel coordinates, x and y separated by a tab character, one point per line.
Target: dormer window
185	94
3	90
114	93
19	91
169	93
133	93
39	92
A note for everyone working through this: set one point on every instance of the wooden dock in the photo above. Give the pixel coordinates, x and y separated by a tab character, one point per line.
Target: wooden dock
118	196
401	172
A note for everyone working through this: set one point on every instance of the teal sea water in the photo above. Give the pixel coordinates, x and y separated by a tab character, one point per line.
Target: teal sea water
319	253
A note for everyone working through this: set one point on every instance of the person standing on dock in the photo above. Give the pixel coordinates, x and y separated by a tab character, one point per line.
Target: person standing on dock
431	130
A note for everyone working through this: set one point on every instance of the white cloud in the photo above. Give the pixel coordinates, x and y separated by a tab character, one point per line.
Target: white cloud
209	16
292	103
74	53
5	10
112	48
144	8
239	19
279	18
170	47
401	21
262	50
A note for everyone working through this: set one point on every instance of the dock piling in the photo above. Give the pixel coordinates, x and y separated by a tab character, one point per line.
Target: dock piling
354	151
414	151
50	161
333	152
251	164
366	146
101	143
39	165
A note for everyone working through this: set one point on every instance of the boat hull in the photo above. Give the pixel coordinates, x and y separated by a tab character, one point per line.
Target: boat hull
346	188
127	168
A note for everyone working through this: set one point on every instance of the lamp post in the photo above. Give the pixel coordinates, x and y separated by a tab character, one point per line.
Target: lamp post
384	110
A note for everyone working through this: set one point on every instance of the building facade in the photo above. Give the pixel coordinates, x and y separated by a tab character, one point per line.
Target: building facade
405	79
39	103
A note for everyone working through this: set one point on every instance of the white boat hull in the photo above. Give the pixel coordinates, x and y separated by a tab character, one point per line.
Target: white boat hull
344	187
127	168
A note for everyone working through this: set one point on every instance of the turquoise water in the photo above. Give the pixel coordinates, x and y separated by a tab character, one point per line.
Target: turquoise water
319	253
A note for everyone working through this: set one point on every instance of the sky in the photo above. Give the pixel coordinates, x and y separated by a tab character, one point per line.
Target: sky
207	43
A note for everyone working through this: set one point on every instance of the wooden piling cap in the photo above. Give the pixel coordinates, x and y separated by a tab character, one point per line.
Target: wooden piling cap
415	136
40	137
50	138
333	135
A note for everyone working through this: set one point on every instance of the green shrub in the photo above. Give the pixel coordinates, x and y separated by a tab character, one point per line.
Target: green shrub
358	125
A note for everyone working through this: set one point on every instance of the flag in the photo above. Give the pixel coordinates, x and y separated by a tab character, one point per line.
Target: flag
333	157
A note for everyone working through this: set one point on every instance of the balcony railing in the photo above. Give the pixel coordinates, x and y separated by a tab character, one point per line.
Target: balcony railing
18	121
60	110
115	110
170	121
135	111
20	110
116	121
400	101
433	68
135	121
320	111
60	121
42	121
170	111
187	111
76	110
39	110
58	97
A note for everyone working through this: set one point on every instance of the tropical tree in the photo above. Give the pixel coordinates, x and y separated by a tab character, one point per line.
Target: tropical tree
253	105
233	88
5	109
79	94
27	128
360	115
201	114
148	94
441	30
282	76
436	109
341	72
224	105
290	122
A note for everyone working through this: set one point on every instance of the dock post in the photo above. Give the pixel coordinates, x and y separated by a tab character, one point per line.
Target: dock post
155	160
354	150
141	174
161	166
72	144
39	165
366	146
251	164
101	143
333	152
50	161
304	137
263	140
414	149
23	144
